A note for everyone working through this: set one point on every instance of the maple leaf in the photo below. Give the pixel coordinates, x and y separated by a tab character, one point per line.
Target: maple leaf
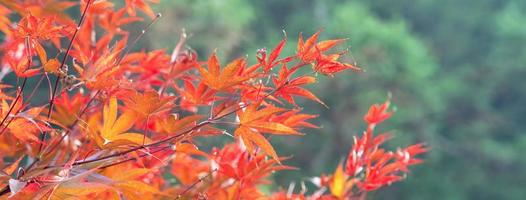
378	113
363	147
43	8
380	173
181	63
22	68
258	119
147	103
84	50
112	21
226	78
66	108
112	132
145	82
187	169
23	125
132	5
249	136
193	96
309	50
127	182
100	70
97	7
37	29
26	130
253	122
272	61
149	65
294	119
174	124
328	65
287	87
235	162
339	184
369	160
407	155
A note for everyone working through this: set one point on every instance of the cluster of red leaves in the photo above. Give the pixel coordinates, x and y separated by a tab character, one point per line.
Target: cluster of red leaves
123	124
369	166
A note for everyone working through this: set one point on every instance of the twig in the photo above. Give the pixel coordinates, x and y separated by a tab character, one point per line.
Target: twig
195	183
55	87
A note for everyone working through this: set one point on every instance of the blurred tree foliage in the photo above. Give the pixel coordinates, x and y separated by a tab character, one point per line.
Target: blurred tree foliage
455	69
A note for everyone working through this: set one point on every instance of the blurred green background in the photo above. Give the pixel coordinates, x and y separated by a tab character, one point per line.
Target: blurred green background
455	69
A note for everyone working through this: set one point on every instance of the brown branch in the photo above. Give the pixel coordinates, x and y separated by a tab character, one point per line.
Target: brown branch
63	62
165	140
141	34
196	127
135	158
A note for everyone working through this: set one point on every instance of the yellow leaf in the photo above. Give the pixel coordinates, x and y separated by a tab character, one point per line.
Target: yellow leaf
112	128
109	115
338	183
124	122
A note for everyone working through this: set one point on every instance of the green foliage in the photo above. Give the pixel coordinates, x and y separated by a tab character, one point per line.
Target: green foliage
211	19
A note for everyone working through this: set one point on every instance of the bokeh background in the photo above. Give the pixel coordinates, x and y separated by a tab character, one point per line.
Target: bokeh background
455	69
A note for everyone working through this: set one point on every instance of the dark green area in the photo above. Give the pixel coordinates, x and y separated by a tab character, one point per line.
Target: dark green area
455	69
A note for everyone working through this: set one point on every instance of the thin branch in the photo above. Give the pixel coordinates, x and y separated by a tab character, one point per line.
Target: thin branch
143	31
195	183
165	140
134	158
168	139
55	87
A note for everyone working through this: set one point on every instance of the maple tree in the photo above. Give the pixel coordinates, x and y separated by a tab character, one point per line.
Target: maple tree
121	121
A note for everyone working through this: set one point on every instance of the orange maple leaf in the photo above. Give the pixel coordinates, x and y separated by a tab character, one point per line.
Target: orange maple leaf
272	61
173	123
222	80
194	95
147	103
329	64
287	87
132	5
66	108
309	50
253	122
